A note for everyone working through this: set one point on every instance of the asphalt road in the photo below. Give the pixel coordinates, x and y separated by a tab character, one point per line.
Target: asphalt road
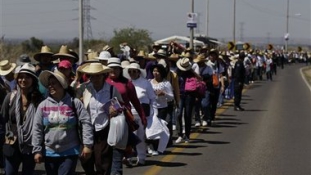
272	137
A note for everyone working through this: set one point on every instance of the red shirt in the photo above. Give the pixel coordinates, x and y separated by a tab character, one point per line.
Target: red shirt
128	93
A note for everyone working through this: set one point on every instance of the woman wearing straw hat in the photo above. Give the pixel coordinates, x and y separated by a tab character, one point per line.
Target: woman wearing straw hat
187	99
129	96
7	74
95	95
55	128
17	111
147	97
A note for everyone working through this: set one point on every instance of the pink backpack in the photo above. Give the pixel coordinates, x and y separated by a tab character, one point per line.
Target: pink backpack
195	85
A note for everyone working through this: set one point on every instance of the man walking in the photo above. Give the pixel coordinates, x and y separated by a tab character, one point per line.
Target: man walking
239	76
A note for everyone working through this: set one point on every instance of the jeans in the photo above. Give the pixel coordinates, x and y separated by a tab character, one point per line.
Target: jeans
117	168
197	109
205	103
238	88
12	164
214	95
61	165
186	103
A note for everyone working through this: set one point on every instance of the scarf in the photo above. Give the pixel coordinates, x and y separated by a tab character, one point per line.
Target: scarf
24	129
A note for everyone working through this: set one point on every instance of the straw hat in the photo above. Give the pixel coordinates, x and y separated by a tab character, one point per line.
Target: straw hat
114	62
141	53
134	66
45	50
6	67
184	64
45	75
186	55
125	63
200	58
91	57
150	57
64	52
94	68
214	51
160	54
28	69
104	55
107	47
174	57
88	51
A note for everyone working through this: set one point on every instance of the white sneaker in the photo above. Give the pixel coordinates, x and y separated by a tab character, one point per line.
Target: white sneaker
155	153
197	124
174	127
179	139
150	151
204	123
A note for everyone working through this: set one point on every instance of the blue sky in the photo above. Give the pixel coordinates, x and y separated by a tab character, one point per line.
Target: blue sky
55	18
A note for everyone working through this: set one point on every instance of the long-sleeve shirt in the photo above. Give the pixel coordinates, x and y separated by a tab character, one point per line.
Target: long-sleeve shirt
128	93
239	72
145	94
55	126
167	88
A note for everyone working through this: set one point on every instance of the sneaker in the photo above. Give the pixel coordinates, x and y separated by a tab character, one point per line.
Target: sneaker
197	124
187	140
155	153
204	123
133	161
179	139
149	150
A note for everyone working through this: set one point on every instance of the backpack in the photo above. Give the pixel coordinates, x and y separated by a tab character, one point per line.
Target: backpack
195	85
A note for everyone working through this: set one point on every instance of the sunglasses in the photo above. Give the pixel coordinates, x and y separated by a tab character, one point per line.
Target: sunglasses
132	71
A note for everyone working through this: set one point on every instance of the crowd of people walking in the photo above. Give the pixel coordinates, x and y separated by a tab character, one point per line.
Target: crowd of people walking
55	111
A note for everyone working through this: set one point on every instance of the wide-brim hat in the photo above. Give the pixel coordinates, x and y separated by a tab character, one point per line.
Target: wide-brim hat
28	69
214	51
45	50
186	55
134	66
64	52
184	64
107	47
94	68
23	59
150	57
174	57
92	57
114	62
6	67
160	54
103	55
200	58
45	75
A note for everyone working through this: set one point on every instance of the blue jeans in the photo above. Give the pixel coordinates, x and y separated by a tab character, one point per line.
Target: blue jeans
61	165
186	103
117	156
12	164
205	103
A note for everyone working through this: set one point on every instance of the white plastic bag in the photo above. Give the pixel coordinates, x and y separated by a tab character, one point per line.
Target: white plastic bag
118	132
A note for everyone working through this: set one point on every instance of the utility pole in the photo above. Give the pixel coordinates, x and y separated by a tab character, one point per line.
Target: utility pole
191	28
80	31
207	17
287	30
234	14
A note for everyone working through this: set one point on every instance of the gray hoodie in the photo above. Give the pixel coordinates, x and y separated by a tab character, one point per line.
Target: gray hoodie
55	125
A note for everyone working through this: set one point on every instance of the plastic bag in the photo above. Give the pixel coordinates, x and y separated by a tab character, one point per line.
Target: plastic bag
118	132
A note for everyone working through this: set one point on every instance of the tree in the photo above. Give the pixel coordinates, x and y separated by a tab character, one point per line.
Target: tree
136	38
32	45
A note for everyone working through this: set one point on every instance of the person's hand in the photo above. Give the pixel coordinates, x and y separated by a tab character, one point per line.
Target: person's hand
160	93
38	158
86	153
112	112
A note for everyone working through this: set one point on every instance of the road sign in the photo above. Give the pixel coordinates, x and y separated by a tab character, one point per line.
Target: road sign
192	20
230	45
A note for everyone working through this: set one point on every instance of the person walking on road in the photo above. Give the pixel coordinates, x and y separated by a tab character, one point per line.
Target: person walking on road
239	77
